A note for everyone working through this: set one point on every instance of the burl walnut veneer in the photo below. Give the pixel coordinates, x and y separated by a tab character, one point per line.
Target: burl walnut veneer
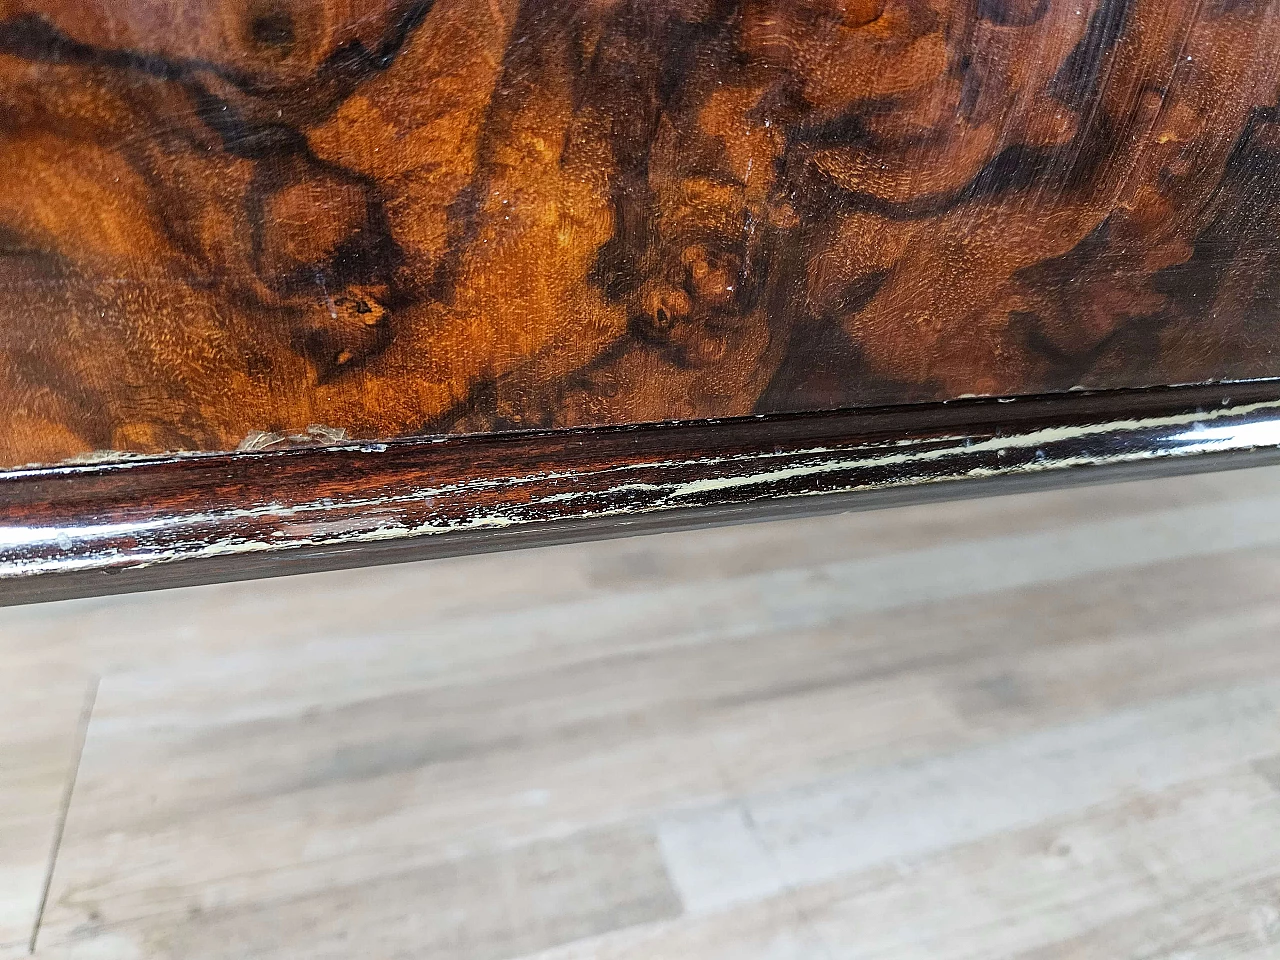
639	262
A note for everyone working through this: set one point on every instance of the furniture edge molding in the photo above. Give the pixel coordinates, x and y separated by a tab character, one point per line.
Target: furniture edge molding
97	528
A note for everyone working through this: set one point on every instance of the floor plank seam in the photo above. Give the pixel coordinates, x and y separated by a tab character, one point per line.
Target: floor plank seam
735	791
789	889
82	732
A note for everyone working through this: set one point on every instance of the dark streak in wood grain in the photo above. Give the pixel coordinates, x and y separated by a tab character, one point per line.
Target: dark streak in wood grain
404	217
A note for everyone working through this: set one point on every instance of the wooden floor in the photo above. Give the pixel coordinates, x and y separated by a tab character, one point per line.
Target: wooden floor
1035	727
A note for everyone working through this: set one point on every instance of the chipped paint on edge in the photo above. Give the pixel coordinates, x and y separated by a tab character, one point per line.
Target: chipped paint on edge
672	494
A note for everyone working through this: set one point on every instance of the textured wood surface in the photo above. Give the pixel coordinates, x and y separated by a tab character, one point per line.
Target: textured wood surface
1040	727
222	223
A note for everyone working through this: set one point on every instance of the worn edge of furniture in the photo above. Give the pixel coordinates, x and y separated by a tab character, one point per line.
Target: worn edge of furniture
90	529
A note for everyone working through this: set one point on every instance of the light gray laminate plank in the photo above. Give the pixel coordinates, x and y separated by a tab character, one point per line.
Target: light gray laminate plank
1200	855
244	802
1269	768
214	818
1182	851
473	765
1225	922
41	714
487	907
808	834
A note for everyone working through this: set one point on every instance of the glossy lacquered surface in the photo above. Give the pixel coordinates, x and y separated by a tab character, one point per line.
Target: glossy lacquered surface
229	220
107	528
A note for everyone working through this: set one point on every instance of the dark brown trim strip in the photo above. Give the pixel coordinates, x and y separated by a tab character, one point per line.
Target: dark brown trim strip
92	529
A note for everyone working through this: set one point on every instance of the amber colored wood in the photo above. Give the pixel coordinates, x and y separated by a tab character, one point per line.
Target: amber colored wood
229	220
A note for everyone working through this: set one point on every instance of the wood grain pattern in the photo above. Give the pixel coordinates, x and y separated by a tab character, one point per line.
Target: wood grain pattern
226	220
